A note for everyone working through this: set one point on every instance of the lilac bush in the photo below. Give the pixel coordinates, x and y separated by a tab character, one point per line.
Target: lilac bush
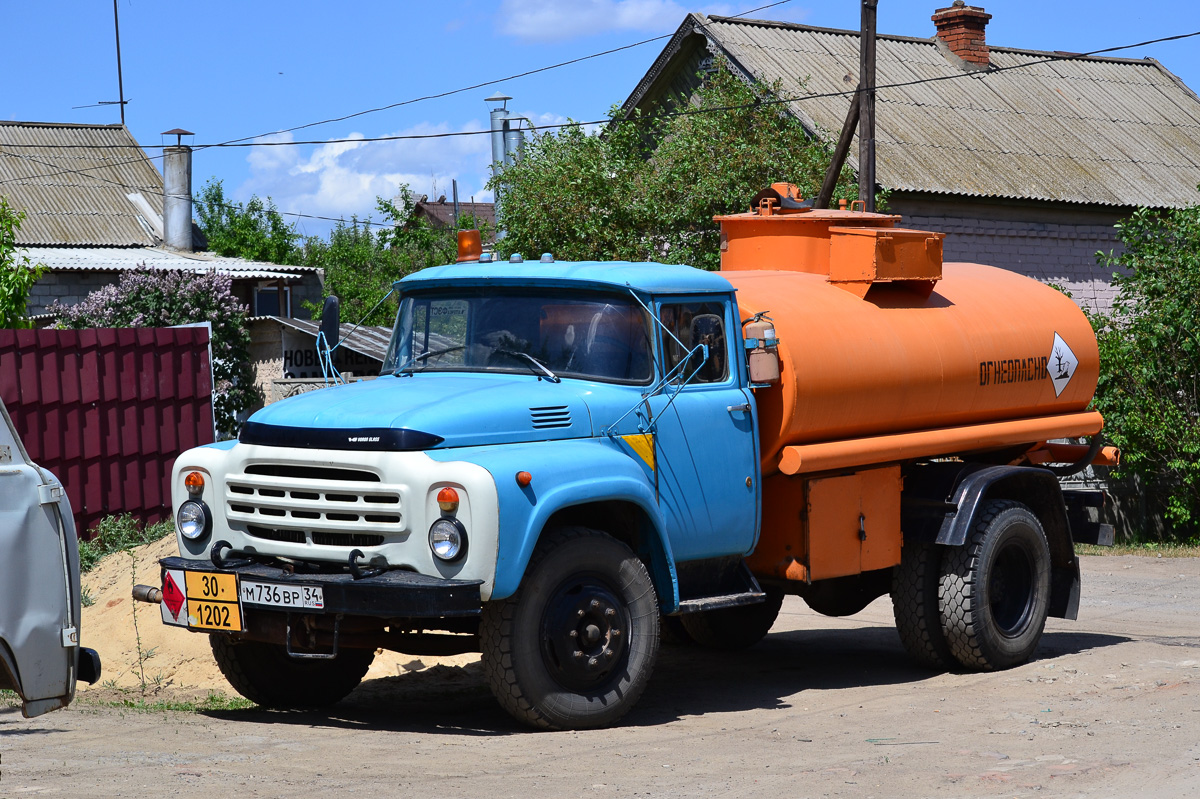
147	297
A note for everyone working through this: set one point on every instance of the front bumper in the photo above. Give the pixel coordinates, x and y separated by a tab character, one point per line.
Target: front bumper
393	594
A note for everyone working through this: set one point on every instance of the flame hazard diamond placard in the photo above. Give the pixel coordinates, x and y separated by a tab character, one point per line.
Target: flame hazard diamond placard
173	599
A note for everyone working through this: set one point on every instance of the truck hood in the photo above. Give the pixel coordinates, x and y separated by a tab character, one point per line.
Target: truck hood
459	409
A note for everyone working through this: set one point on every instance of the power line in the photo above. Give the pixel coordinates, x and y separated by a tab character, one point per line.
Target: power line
157	193
439	95
236	143
485	84
638	120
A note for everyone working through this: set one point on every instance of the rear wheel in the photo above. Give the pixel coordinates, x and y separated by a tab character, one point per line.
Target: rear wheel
266	675
995	589
915	605
734	628
574	647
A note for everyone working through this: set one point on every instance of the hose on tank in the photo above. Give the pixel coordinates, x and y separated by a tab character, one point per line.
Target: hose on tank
1081	464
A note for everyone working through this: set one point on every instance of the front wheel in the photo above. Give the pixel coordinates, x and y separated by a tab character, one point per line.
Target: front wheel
266	675
574	647
994	590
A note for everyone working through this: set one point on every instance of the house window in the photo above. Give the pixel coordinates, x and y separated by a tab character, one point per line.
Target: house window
266	301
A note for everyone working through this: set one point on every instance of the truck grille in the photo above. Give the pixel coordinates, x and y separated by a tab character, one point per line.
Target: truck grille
317	505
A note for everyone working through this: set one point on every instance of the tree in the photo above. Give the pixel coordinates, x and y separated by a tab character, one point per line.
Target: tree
160	298
17	272
648	187
362	260
255	231
1149	389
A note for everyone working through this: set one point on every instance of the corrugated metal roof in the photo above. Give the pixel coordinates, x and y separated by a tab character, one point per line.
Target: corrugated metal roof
72	182
1086	130
368	340
120	259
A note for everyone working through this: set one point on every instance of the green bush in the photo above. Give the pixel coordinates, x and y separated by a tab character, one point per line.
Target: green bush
17	272
1149	389
117	534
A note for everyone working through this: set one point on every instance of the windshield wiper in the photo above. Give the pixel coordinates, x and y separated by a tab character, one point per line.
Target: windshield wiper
429	354
545	369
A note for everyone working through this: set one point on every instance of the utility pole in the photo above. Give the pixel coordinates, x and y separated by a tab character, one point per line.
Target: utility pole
120	82
866	109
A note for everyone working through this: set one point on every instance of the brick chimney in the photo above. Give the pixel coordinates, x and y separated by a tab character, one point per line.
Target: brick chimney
961	27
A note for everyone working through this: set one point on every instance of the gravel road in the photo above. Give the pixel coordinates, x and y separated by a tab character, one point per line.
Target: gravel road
822	707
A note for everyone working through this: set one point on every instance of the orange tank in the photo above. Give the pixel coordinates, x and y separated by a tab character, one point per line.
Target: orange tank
900	344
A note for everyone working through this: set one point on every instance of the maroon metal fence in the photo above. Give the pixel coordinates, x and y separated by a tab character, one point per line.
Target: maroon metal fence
108	411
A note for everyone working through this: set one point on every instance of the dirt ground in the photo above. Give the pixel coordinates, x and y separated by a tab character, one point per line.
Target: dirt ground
822	707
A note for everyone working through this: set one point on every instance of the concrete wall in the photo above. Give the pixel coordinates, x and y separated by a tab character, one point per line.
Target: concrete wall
1053	243
68	288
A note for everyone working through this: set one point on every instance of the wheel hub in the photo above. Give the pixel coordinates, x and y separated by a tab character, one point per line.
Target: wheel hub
1011	589
584	633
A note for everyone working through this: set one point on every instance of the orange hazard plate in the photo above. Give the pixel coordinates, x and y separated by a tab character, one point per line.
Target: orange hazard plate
213	602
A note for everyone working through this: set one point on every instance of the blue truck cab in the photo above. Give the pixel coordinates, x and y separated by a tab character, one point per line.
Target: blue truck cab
554	456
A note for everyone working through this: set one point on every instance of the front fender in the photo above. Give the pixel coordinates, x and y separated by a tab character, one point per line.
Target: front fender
565	473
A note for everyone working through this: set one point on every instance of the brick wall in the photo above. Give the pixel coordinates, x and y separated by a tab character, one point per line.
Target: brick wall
1053	253
1053	245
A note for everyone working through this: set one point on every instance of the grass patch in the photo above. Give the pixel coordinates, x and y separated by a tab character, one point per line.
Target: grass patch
1148	549
116	534
9	698
214	701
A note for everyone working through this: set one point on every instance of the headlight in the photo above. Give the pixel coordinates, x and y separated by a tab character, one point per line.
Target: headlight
193	520
448	539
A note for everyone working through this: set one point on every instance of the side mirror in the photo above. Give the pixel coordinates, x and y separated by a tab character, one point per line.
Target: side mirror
331	321
709	329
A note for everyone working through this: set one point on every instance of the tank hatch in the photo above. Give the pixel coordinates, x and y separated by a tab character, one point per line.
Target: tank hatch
853	249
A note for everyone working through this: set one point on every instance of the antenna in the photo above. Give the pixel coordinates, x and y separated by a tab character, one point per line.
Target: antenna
120	82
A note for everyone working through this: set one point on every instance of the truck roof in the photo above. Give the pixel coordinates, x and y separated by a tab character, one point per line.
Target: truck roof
643	276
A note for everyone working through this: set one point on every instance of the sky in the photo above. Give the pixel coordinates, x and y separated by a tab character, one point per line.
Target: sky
228	70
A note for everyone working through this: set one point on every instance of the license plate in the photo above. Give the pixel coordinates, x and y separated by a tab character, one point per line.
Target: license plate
201	600
310	597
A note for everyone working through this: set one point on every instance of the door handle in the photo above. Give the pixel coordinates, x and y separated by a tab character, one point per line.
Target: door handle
745	406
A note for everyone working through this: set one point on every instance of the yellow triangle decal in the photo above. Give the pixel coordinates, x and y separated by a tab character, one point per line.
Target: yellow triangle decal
643	445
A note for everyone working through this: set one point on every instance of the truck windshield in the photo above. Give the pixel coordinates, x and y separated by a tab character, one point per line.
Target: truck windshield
549	334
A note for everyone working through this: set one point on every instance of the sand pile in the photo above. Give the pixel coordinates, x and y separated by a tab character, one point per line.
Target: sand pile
180	662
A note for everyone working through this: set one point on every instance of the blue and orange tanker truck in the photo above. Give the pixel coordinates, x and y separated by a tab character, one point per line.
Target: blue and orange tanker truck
559	459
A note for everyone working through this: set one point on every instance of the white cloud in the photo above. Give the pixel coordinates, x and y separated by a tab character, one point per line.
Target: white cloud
554	20
342	179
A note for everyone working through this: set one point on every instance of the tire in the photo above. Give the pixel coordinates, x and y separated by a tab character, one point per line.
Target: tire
587	593
995	589
734	628
915	585
267	676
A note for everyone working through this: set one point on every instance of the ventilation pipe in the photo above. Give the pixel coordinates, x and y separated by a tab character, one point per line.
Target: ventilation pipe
177	192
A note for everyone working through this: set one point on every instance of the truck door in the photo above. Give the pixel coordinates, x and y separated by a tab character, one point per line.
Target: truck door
37	632
705	446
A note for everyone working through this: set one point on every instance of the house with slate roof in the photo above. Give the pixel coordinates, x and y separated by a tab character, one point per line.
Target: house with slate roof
1025	158
95	207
